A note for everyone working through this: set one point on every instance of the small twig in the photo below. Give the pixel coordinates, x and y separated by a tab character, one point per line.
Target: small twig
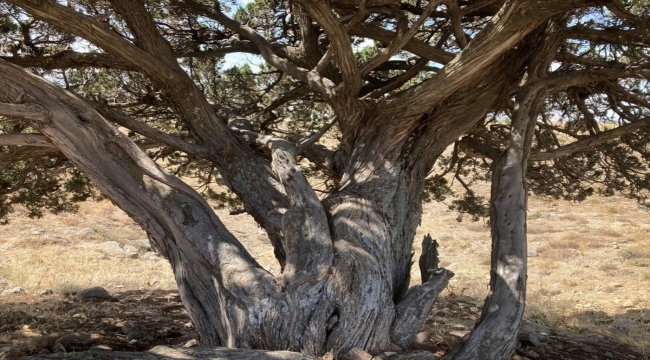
313	138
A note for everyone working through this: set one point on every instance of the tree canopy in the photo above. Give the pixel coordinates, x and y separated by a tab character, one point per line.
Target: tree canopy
544	96
590	136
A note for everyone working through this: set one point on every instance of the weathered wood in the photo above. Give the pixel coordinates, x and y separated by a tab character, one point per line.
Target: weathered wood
165	352
494	336
429	260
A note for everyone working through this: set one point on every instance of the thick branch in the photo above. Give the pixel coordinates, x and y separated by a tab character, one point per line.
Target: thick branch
25	140
513	22
340	43
24	111
183	225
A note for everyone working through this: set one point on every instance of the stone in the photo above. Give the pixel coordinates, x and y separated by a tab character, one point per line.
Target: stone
15	290
530	338
414	355
423	341
142	244
74	339
46	292
135	335
109	247
93	293
130	251
129	327
45	341
357	354
101	348
191	343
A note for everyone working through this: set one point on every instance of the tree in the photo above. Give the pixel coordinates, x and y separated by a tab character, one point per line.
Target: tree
544	96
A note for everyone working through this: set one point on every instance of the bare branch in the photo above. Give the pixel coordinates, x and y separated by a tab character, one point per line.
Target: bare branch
515	20
414	46
152	133
24	111
25	140
399	41
399	80
313	138
455	17
322	85
589	142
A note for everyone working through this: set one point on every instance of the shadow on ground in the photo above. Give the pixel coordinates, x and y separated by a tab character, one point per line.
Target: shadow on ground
139	320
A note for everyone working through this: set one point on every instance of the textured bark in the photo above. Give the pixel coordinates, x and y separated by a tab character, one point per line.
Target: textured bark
494	336
337	289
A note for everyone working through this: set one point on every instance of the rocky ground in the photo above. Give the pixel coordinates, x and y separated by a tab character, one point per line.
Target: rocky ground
94	320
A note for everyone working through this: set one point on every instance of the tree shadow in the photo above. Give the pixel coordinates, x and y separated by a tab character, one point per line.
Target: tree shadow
589	335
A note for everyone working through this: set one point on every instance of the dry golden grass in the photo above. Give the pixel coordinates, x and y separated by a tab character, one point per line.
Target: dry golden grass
589	268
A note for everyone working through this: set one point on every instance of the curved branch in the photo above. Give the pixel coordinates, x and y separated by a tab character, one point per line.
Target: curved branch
340	43
203	253
514	21
399	41
322	85
589	142
415	46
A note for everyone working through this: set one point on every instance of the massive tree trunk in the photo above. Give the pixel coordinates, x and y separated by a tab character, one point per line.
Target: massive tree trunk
337	289
345	282
347	258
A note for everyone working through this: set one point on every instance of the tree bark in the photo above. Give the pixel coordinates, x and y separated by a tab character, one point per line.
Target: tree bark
494	336
337	290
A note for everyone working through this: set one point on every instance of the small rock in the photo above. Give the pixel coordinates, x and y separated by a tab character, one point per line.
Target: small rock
109	248
129	327
608	354
423	341
93	293
101	348
135	335
12	291
531	354
45	292
74	339
45	341
616	285
414	355
530	338
191	343
130	251
357	354
628	304
459	334
38	317
533	253
142	244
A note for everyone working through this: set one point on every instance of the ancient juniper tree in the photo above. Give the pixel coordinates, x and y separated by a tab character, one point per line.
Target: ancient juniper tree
107	92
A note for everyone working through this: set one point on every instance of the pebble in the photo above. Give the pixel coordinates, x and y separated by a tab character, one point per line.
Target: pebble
15	290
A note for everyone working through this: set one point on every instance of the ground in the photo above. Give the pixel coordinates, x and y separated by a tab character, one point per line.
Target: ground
589	280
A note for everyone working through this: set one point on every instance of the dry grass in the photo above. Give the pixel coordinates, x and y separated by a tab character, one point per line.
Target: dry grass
590	272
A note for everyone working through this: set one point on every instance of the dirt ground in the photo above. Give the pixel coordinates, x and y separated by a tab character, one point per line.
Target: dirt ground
589	280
